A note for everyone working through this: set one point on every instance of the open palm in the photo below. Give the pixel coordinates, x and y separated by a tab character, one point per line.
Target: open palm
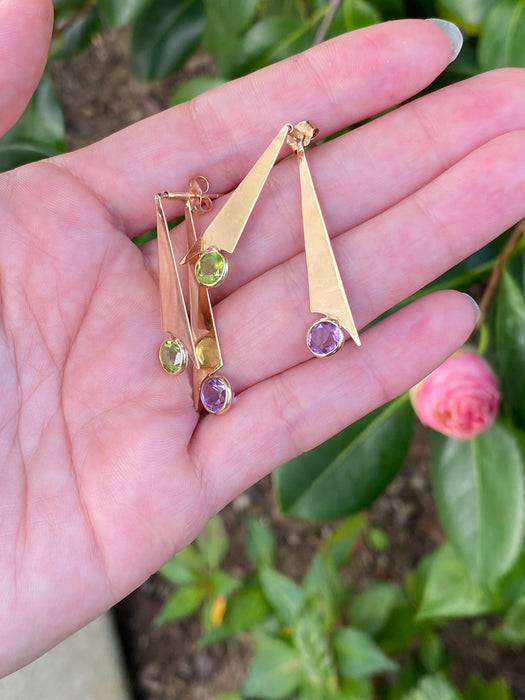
106	468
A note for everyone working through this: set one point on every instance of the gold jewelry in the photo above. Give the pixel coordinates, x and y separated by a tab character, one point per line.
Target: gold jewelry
213	391
327	294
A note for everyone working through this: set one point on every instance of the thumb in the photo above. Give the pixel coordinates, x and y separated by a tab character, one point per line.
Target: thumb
25	32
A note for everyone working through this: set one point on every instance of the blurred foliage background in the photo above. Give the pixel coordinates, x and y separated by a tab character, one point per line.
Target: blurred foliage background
242	36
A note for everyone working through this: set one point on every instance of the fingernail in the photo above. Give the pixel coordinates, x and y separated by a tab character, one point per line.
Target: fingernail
453	32
474	304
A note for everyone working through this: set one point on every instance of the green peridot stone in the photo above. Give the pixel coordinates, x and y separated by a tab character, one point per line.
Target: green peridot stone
211	268
173	356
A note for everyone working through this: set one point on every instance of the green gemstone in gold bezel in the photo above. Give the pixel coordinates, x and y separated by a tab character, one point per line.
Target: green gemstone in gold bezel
173	356
211	268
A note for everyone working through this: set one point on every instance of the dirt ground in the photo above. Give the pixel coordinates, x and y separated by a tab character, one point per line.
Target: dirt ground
99	96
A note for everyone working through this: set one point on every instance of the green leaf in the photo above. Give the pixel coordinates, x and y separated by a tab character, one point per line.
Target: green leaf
432	654
358	688
213	543
399	630
346	473
246	609
478	486
433	688
358	655
164	35
344	538
42	121
353	14
325	587
451	590
227	696
187	566
283	594
510	344
260	543
271	39
502	41
478	689
512	585
12	155
117	13
512	630
193	87
468	14
274	672
316	660
371	609
77	35
228	17
224	584
182	603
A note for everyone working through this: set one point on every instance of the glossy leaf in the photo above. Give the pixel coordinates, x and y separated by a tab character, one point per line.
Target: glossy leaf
274	672
358	655
193	87
226	21
271	39
468	14
346	473
180	604
479	491
353	14
213	542
371	609
260	543
510	344
283	594
77	34
502	42
117	13
433	688
451	590
164	35
42	121
12	155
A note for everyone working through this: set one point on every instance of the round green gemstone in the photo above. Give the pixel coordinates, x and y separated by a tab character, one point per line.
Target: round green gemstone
211	268
173	356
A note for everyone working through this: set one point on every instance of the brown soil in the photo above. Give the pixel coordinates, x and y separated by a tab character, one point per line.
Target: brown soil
100	96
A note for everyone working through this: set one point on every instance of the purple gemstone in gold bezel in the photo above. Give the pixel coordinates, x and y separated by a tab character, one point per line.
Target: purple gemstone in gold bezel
325	337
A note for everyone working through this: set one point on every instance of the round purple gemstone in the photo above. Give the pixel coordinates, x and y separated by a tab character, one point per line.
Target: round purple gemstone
216	394
324	337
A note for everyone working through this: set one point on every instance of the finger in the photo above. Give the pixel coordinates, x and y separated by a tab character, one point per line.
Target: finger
363	173
25	32
295	411
334	84
262	326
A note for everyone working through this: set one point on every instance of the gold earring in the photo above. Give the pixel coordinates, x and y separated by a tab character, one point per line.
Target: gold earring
327	294
210	390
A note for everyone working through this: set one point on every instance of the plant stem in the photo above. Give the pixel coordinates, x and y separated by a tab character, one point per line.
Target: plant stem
327	21
495	275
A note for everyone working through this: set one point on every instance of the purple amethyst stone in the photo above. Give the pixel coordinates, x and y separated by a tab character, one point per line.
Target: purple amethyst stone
216	394
324	337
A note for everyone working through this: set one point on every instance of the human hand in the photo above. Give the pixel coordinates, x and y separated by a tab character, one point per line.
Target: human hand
106	468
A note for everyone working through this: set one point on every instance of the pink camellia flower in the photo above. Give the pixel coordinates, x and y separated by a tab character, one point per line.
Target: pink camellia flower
460	398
